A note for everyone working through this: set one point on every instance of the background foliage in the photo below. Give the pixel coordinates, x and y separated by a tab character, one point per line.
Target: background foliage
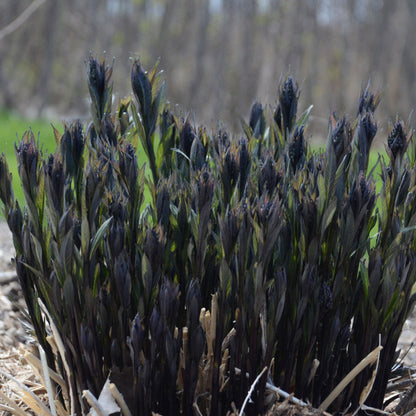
233	50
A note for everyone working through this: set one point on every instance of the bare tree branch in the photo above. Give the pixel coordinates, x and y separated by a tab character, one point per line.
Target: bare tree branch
16	23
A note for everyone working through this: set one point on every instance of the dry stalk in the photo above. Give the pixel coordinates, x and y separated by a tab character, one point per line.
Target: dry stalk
184	345
26	395
36	365
12	406
118	397
365	362
408	401
227	339
93	402
61	349
47	381
250	392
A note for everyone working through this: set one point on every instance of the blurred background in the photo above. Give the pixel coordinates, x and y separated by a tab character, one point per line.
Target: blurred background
218	55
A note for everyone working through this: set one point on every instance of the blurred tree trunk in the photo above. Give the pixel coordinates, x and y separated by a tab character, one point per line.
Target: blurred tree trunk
218	55
218	60
12	50
249	64
200	54
163	44
50	36
91	8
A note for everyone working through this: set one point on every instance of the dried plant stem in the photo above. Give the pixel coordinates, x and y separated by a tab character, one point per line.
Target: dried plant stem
93	402
367	389
12	407
47	380
27	395
373	409
279	391
184	345
196	408
118	397
285	395
16	23
213	323
369	359
407	402
61	348
37	365
250	392
227	339
6	409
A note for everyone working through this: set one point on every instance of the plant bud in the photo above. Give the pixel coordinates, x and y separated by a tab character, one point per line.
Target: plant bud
230	167
361	195
229	229
257	121
28	159
156	327
137	336
193	304
108	130
169	301
128	164
367	129
223	138
340	138
123	280
368	101
6	191
269	177
166	120
288	101
55	183
72	147
186	137
116	238
163	205
118	209
277	116
244	163
142	88
297	149
154	246
171	349
96	76
197	154
164	300
204	189
397	140
182	214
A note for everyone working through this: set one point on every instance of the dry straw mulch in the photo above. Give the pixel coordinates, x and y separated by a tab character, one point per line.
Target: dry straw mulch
23	389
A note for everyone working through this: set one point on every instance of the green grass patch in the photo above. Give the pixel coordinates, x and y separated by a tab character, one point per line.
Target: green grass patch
12	128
